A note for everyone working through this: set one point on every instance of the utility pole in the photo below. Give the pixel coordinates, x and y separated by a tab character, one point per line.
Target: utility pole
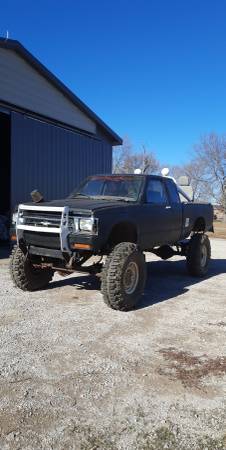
224	199
224	191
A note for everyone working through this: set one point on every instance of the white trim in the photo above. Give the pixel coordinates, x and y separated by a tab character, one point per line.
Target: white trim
42	208
39	229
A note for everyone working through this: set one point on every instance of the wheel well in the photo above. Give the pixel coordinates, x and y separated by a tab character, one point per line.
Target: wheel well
123	232
200	224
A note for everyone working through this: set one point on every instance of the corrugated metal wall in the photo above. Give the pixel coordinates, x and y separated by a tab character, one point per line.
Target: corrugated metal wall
52	159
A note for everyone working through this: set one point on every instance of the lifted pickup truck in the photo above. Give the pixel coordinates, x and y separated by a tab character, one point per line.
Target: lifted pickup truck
117	217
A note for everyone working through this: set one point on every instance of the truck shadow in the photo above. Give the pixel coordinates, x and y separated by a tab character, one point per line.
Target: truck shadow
5	250
165	280
169	279
88	282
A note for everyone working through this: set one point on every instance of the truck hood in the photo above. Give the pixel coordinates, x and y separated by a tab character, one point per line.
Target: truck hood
85	204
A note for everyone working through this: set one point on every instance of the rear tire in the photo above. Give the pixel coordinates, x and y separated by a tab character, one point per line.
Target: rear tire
24	275
199	255
123	277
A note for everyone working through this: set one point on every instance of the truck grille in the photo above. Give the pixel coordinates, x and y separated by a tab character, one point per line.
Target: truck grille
45	240
42	218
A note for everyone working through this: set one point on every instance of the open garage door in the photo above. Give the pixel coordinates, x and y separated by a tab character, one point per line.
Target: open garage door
4	164
5	175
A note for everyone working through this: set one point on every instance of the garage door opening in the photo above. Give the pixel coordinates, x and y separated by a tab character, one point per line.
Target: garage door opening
5	163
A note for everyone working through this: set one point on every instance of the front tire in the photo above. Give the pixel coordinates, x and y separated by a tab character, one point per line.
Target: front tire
24	275
199	255
123	277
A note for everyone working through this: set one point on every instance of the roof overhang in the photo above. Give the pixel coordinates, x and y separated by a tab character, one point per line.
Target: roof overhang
17	47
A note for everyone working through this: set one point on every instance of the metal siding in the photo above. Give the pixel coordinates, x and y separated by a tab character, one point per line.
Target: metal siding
52	159
22	85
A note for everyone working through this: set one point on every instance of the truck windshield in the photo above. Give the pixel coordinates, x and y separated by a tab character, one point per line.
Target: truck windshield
117	187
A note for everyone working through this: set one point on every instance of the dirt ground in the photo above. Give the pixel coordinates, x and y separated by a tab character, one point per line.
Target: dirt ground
219	230
77	375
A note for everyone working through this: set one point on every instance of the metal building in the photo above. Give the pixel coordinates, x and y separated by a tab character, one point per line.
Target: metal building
49	139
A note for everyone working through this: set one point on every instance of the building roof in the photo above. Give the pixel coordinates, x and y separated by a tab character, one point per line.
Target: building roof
17	47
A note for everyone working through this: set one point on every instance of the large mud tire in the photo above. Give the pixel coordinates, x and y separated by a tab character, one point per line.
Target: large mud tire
199	255
123	277
24	275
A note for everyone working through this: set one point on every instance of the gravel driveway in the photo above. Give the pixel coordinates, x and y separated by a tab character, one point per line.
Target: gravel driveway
77	375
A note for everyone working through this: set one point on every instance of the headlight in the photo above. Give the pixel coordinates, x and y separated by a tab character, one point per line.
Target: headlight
86	225
17	218
14	218
83	224
20	219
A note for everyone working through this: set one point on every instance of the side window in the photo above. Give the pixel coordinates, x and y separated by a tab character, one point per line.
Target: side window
172	188
156	193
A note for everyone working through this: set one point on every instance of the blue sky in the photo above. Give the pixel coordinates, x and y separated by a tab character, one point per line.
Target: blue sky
153	70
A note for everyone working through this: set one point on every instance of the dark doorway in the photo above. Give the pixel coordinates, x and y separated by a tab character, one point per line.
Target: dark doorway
5	164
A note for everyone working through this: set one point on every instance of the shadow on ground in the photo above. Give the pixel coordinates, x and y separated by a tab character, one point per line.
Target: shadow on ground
4	250
88	282
169	279
165	280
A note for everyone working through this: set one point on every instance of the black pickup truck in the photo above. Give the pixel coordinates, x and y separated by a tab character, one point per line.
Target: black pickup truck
117	217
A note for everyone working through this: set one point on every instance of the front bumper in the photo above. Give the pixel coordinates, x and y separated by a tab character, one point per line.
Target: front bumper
46	252
47	239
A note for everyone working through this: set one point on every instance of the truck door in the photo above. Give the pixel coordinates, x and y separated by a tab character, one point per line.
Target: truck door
176	207
157	215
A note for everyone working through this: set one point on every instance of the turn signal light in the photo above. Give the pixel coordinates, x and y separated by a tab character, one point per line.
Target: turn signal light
77	246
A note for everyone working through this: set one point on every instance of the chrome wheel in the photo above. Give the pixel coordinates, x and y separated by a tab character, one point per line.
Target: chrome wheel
131	277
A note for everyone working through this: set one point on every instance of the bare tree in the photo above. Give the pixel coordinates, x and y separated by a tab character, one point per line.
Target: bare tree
194	170
126	159
120	154
211	154
207	169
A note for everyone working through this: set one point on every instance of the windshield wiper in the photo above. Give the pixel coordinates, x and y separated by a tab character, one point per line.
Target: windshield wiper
112	197
80	194
123	199
103	197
